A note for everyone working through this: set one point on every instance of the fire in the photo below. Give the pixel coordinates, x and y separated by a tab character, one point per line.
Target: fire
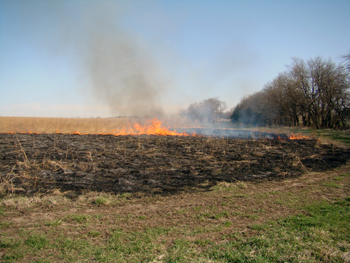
11	132
298	137
152	127
292	136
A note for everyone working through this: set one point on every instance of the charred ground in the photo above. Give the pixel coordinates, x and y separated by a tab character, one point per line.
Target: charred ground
32	163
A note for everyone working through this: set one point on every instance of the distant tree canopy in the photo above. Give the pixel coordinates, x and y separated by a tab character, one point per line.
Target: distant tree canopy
347	61
209	110
313	93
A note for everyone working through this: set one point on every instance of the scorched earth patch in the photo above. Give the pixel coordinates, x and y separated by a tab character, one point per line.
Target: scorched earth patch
31	163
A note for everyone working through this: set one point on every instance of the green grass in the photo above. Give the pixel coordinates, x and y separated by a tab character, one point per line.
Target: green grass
4	224
332	184
13	256
337	135
321	233
94	233
9	243
36	241
221	214
227	223
53	223
100	200
77	218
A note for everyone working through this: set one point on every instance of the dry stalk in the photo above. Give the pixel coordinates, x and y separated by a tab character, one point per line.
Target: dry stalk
6	184
56	164
35	179
21	164
300	162
325	163
224	162
89	155
67	153
182	199
43	162
22	150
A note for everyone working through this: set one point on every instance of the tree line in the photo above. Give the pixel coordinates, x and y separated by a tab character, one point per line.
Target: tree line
311	93
209	110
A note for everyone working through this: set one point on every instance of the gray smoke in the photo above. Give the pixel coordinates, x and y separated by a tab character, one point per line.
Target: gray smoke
122	68
116	65
121	51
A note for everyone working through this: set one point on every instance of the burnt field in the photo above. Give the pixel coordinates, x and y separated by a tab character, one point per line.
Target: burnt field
32	163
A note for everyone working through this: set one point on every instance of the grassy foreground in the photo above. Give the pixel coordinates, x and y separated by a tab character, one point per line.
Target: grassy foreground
305	219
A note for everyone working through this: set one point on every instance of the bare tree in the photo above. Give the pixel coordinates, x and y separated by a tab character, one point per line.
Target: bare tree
207	110
347	61
314	93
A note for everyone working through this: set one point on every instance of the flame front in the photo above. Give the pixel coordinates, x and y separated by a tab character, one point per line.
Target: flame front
152	127
292	136
298	137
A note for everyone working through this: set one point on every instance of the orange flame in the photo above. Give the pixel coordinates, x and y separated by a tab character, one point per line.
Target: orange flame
152	127
298	137
293	136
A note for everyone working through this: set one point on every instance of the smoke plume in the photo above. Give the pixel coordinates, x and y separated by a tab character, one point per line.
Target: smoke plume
122	69
133	56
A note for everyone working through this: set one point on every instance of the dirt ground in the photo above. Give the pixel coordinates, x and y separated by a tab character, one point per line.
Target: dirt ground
40	163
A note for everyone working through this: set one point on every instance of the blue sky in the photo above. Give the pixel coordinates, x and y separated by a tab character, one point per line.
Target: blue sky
107	58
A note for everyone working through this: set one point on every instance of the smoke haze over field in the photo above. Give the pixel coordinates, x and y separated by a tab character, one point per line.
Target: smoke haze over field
149	58
123	73
119	67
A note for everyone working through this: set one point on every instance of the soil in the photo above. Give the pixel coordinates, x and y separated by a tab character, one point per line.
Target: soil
32	163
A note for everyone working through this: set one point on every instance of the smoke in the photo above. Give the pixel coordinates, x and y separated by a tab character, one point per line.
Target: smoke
122	68
135	57
115	64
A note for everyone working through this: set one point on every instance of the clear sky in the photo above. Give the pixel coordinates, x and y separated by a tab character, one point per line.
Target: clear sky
104	58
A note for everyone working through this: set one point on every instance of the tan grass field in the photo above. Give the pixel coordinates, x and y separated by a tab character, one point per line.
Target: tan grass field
62	125
82	125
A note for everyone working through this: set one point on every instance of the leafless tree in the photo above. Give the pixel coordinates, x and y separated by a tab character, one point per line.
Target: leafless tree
313	93
209	110
347	61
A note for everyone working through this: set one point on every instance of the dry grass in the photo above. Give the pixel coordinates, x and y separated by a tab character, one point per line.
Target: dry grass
63	125
81	125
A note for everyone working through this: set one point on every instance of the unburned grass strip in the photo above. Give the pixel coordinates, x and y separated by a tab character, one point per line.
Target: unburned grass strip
322	235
